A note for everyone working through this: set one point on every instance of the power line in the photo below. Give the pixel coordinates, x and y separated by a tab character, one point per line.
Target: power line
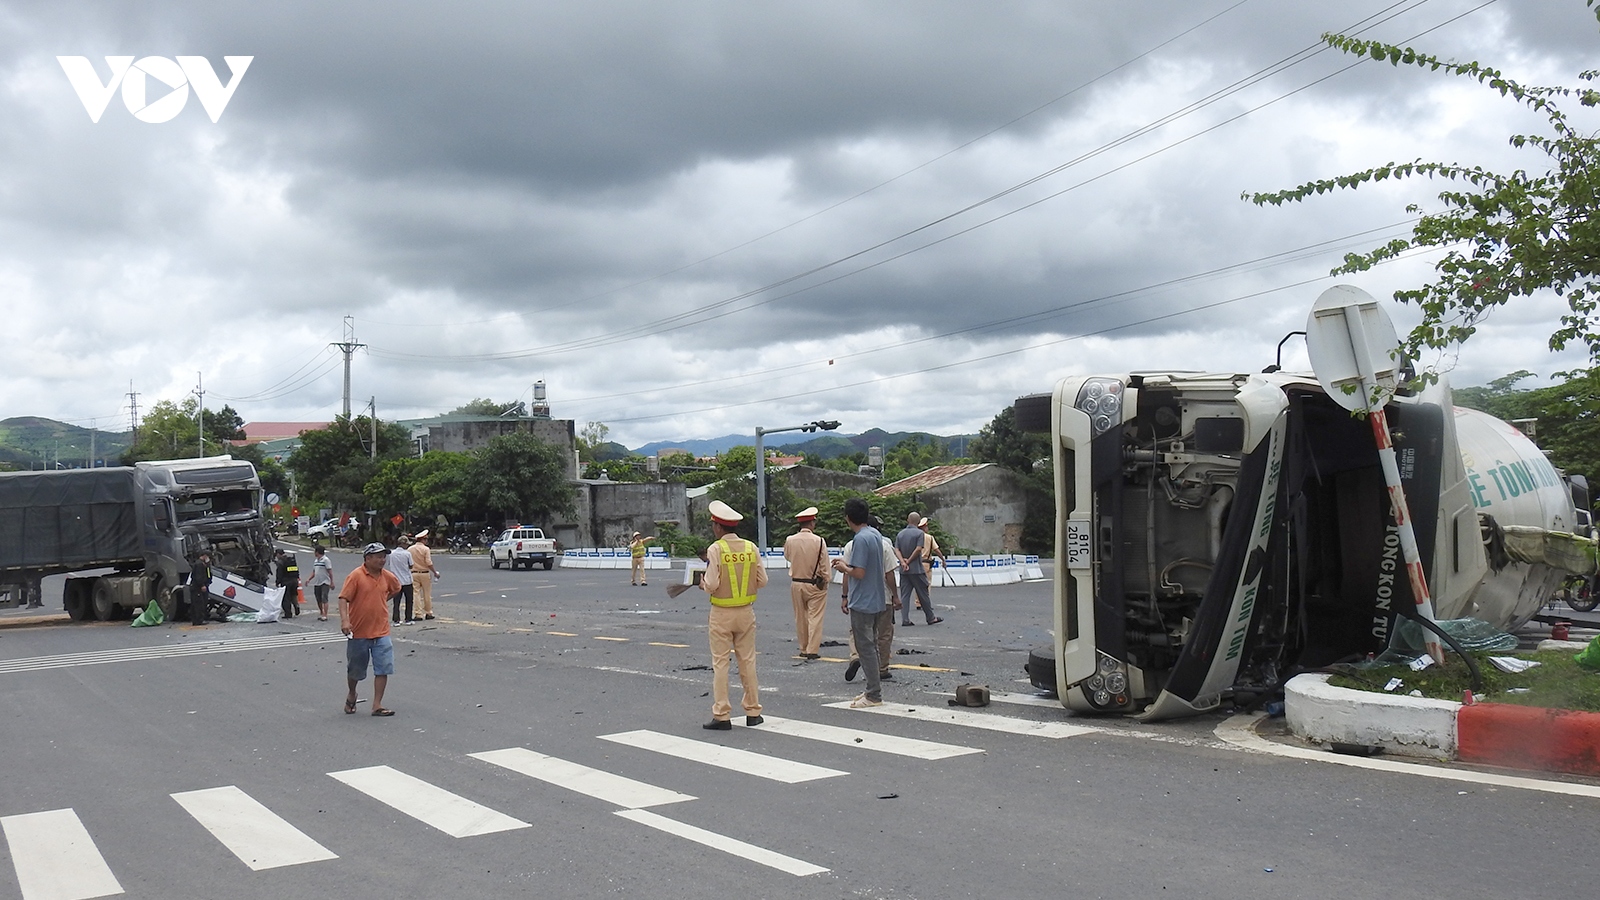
705	313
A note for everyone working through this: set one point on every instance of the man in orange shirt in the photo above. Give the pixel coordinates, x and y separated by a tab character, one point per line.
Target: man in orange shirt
364	619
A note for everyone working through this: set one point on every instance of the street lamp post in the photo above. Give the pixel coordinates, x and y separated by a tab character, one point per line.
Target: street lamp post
761	472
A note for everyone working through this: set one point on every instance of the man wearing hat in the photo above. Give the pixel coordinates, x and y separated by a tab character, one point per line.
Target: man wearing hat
733	575
807	555
200	588
636	550
931	549
423	572
364	619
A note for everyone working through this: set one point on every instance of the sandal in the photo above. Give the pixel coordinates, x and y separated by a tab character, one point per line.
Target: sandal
350	707
383	711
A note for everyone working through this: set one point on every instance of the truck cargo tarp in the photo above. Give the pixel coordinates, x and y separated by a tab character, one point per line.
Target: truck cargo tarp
61	520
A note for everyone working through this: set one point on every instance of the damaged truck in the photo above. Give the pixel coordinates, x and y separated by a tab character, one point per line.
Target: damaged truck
126	536
1218	533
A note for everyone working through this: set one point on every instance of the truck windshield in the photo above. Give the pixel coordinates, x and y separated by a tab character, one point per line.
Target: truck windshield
216	504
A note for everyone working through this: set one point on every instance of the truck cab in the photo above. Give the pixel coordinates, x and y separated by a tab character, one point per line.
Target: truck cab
1218	533
217	500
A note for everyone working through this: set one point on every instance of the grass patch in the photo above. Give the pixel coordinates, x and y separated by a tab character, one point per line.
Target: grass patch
1557	683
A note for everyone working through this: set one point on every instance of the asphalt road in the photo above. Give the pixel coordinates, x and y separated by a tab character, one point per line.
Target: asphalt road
157	761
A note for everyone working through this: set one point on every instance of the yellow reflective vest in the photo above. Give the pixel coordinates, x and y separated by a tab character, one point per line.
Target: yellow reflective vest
738	574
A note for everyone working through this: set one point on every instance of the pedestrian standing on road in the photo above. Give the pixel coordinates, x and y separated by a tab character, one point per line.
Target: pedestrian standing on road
931	549
733	576
913	574
321	580
364	619
423	571
400	564
636	550
868	599
807	555
200	588
289	580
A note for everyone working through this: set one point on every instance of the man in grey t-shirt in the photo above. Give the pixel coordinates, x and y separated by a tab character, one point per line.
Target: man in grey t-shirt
913	574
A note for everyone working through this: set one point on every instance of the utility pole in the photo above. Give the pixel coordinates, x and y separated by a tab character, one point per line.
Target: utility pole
348	346
372	405
200	414
133	412
92	434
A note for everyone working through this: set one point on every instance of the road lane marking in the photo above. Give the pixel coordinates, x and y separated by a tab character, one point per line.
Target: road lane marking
1239	731
918	668
866	740
452	814
744	761
136	654
258	836
601	637
1025	700
722	842
665	644
611	788
561	633
967	719
55	858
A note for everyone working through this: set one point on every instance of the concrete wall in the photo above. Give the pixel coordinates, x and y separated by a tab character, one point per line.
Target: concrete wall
811	483
983	510
609	512
459	437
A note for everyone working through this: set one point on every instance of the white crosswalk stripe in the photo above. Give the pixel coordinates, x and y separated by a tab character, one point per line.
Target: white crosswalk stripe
866	740
258	836
624	792
135	654
434	806
965	718
54	857
722	842
743	761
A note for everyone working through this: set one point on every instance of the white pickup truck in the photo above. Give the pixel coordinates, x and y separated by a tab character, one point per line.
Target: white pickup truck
522	546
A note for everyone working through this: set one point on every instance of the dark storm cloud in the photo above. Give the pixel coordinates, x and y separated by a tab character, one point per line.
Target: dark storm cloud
468	180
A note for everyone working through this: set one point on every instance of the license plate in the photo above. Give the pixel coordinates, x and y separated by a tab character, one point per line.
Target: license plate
1078	543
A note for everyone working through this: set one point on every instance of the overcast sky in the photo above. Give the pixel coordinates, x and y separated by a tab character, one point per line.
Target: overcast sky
691	219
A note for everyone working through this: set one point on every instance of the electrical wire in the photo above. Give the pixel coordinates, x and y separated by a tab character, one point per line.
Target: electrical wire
703	314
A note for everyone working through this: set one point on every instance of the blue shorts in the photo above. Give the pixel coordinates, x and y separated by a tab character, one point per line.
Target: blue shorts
358	650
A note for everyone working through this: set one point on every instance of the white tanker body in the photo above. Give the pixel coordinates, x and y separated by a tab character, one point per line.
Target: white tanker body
1217	533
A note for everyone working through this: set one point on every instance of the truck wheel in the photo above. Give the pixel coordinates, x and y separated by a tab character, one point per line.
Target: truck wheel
77	606
494	561
1041	669
105	604
549	564
166	599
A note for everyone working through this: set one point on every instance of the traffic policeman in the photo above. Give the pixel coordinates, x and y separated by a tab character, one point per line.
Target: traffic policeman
733	575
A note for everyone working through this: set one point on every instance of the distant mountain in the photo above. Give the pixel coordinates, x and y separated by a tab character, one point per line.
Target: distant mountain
827	445
30	442
705	447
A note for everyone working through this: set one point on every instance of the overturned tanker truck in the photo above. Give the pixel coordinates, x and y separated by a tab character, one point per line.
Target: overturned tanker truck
1217	534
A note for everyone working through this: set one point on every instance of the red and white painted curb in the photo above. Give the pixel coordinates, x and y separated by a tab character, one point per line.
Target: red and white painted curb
1498	734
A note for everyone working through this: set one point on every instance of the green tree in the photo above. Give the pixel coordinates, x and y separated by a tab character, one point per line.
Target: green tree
591	437
850	462
521	477
334	464
483	406
1504	235
1568	416
912	455
686	468
169	431
892	511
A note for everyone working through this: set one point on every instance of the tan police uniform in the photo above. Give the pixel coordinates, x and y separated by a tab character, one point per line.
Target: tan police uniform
733	575
807	555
